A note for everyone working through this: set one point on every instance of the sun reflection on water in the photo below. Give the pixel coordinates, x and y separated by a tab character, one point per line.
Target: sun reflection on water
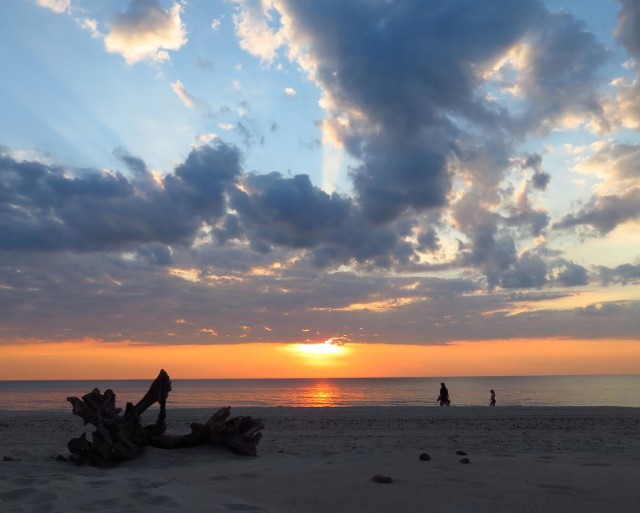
319	394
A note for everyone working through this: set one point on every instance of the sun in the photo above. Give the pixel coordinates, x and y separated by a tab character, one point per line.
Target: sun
323	348
329	352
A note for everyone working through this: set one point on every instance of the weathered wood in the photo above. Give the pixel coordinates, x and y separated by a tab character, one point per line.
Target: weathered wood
240	434
120	438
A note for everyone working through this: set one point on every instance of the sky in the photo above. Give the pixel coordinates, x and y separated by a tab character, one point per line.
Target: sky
345	188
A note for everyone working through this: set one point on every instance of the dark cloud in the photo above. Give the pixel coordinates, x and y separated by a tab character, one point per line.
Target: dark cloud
408	124
622	274
45	207
413	128
551	88
526	218
428	240
135	164
288	211
413	115
155	254
628	30
601	310
208	247
490	251
573	275
59	296
528	271
531	161
493	249
605	213
228	229
292	212
536	296
540	180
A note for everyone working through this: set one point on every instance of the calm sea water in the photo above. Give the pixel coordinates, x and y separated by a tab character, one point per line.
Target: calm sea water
212	393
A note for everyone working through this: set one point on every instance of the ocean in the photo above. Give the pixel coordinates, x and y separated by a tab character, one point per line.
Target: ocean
339	392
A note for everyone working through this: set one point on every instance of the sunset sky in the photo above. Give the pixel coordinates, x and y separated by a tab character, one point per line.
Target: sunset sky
298	188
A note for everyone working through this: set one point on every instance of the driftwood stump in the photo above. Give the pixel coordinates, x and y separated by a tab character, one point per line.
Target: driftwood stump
120	438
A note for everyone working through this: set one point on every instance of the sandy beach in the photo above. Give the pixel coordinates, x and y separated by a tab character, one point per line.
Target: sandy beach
323	460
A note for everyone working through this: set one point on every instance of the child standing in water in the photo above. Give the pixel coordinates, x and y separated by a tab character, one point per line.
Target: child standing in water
493	398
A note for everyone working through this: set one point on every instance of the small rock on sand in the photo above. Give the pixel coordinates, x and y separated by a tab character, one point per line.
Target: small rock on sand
379	478
424	457
465	460
461	453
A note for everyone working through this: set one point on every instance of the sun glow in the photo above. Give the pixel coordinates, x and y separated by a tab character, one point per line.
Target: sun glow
324	348
92	359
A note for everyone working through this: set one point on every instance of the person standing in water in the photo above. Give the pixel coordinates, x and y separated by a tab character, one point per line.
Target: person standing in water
493	398
444	395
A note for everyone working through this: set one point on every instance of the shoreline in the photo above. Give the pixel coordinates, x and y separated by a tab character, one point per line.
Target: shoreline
462	409
316	460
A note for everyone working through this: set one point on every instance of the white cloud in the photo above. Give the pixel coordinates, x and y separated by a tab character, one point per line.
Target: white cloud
207	138
146	31
290	91
91	25
254	32
58	6
623	110
185	97
215	24
226	126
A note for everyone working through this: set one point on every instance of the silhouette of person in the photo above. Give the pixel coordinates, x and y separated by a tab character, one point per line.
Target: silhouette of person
493	398
444	395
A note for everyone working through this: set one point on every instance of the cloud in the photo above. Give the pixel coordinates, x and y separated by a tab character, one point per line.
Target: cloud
91	25
255	30
145	30
290	91
628	30
540	179
605	213
219	247
119	298
523	215
528	271
291	212
573	275
58	6
621	274
185	97
396	119
554	93
622	109
617	164
414	129
51	208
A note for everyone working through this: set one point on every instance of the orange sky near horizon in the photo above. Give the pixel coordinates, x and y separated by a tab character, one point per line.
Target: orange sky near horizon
97	360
